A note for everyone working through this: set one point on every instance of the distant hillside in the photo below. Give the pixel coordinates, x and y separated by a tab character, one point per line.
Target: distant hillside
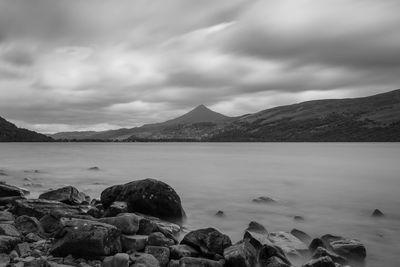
373	118
11	133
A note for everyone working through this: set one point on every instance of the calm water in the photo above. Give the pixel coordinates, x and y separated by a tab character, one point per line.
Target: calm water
335	187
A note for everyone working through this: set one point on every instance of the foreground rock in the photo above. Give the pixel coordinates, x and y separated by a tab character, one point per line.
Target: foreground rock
242	254
351	249
86	239
209	242
148	196
7	190
128	223
39	207
68	195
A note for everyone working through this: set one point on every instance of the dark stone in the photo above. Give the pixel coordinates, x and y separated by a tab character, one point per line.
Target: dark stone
95	212
7	190
196	262
128	223
257	228
180	251
298	218
10	200
301	235
322	252
320	262
160	253
159	239
26	225
116	208
87	239
377	213
68	195
209	242
95	168
148	196
220	213
270	250
242	254
315	243
351	249
134	242
143	260
51	223
276	262
264	200
7	243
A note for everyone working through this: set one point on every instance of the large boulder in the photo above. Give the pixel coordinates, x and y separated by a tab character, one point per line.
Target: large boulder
86	239
148	196
351	249
209	242
68	195
7	190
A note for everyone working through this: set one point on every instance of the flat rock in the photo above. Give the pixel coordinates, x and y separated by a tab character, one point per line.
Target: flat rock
23	249
322	252
68	195
128	223
264	199
290	244
134	242
118	260
159	239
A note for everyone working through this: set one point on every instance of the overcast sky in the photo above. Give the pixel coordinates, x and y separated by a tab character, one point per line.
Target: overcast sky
101	64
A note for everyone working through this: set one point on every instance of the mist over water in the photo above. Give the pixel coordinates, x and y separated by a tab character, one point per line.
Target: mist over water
334	186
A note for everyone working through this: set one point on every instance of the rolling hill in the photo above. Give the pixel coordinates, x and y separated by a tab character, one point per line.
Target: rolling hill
11	133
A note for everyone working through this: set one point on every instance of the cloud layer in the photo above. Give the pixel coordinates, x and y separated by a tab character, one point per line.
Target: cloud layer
89	64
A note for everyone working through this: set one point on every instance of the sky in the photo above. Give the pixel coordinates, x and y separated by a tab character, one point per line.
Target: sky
105	64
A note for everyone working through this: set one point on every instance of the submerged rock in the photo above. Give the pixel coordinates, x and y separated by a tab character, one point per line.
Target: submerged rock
148	196
209	242
377	213
220	213
68	195
264	200
301	235
94	168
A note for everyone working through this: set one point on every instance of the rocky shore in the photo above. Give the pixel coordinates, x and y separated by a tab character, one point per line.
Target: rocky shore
140	224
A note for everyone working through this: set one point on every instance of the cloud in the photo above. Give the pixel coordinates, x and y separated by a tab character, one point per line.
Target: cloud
90	64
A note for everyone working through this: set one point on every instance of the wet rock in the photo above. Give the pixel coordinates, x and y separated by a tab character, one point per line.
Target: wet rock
26	225
270	250
196	262
257	228
87	239
276	262
315	243
351	249
220	213
128	223
143	260
7	190
9	229
9	200
320	262
51	223
134	242
32	237
23	249
322	252
377	213
298	218
242	254
264	200
68	195
94	168
39	207
6	217
209	242
160	253
159	239
290	244
95	212
7	243
118	260
301	235
148	196
180	251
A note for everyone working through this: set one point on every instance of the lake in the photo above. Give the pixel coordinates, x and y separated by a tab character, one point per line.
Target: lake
334	186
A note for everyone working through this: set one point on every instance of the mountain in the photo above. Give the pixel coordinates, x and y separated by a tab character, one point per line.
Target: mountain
11	133
373	118
193	125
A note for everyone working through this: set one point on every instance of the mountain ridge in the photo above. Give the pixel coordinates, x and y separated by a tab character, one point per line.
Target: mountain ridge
9	132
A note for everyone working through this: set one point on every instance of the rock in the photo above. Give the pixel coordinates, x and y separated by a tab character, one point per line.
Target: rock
7	243
242	254
290	244
264	200
148	196
269	250
196	262
377	213
36	263
95	168
6	217
68	195
4	260
9	200
158	239
298	218
320	262
143	260
118	260
275	261
257	228
351	249
209	242
7	190
301	235
220	213
39	207
51	223
23	249
95	212
180	251
134	242
315	243
87	239
322	252
160	253
128	223
32	237
26	225
9	229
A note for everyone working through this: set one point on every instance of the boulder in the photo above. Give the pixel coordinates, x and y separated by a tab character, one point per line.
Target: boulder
134	242
39	207
7	243
160	253
301	236
128	223
290	244
377	213
209	242
143	260
118	260
159	239
9	229
180	251
351	249
7	190
195	262
320	262
26	225
148	196
68	195
242	254
322	252
87	239
51	223
116	208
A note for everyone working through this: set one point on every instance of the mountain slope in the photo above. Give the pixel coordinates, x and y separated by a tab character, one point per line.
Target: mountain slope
11	133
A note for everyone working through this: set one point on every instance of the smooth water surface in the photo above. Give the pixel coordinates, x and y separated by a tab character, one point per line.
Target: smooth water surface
334	186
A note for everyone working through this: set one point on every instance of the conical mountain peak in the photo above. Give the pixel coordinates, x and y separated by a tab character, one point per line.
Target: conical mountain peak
201	113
